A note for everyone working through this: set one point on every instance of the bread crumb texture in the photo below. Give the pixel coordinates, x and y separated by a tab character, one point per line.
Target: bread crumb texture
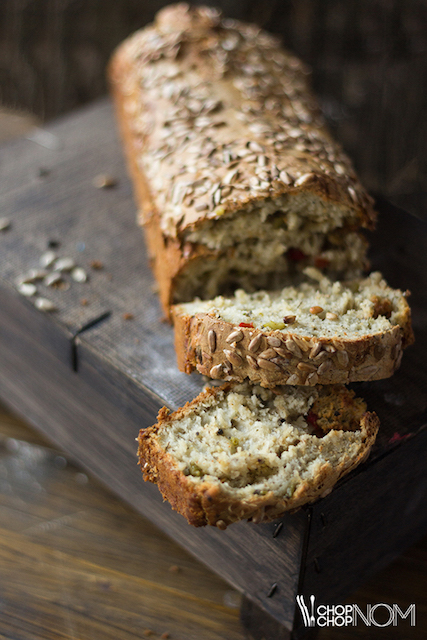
242	451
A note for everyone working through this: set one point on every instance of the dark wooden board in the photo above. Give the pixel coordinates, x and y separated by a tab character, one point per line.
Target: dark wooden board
90	385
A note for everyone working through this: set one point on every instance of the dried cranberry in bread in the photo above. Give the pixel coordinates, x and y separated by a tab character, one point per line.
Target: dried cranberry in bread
323	333
238	182
243	452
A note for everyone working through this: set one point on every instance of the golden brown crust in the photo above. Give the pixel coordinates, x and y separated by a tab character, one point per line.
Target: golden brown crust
207	503
299	145
334	361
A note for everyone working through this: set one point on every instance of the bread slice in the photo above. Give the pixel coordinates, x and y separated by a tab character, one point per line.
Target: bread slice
244	452
238	181
322	333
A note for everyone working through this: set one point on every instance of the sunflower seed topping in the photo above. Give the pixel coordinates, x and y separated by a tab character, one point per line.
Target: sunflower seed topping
343	359
235	336
233	357
293	348
273	341
324	367
315	350
267	364
306	366
216	371
252	362
313	378
267	354
255	343
212	340
293	379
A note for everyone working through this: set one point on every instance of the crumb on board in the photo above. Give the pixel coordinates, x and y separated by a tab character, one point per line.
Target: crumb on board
128	316
97	265
104	181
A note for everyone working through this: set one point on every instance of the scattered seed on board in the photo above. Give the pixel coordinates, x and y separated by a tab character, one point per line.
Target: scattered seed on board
5	224
79	275
64	264
44	304
97	265
47	259
52	279
104	181
27	289
35	274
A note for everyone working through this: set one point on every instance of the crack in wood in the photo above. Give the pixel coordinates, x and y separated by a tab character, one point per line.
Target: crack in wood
88	325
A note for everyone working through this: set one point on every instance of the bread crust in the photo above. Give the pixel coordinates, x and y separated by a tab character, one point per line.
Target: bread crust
370	357
192	31
207	503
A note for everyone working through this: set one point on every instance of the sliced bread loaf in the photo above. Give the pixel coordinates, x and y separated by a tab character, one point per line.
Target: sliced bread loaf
244	452
322	333
238	181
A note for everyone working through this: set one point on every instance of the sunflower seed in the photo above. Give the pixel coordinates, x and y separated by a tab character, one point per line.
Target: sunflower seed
27	289
44	304
306	177
64	264
343	359
254	146
267	354
316	309
212	340
255	343
35	274
283	353
216	371
230	176
313	378
235	336
273	341
289	319
266	364
303	344
324	367
329	348
368	371
233	357
5	224
201	207
79	275
306	366
293	348
47	259
315	350
52	278
228	367
293	379
252	362
321	357
285	177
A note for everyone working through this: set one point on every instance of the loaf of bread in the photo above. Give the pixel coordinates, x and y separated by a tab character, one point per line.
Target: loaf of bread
243	452
322	333
238	182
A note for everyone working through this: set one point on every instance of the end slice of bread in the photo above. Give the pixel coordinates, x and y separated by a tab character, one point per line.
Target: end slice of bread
317	333
245	452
